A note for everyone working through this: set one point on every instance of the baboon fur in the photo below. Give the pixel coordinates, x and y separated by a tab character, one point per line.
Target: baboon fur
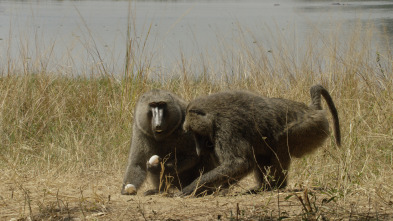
170	142
251	133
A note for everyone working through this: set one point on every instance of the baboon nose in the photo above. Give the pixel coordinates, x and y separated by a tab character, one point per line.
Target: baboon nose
185	128
158	129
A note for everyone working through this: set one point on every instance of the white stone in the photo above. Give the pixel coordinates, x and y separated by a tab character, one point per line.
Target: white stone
154	160
130	189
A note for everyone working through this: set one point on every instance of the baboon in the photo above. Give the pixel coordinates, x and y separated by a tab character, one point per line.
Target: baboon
157	130
250	133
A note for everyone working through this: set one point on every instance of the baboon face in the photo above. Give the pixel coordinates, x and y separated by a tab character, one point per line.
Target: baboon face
157	114
200	122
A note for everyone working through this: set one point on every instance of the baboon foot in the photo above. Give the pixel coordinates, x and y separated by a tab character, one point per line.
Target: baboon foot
273	187
151	192
128	189
255	190
155	192
261	188
278	185
212	191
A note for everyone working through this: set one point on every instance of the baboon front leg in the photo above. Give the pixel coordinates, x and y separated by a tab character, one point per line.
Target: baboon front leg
135	175
171	167
160	184
155	181
156	168
136	168
219	176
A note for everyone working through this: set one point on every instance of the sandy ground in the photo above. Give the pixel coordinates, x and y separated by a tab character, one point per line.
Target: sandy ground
95	196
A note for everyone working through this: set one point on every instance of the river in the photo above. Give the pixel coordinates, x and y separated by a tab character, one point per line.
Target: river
72	36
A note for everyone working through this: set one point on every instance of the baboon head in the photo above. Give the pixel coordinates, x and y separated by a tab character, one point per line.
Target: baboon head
200	121
158	114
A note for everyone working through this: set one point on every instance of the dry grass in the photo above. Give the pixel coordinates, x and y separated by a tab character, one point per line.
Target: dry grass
64	140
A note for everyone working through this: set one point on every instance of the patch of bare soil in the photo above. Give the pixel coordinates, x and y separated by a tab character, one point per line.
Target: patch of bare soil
96	196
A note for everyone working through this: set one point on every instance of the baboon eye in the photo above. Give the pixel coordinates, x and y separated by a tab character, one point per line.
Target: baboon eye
157	104
199	112
161	104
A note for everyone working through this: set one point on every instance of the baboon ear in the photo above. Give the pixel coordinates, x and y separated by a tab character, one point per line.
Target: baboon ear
212	119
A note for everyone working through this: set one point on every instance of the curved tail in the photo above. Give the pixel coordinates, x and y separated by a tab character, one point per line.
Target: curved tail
316	91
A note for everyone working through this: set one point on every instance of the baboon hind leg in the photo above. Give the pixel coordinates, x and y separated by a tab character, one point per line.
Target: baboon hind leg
270	173
306	134
277	176
263	165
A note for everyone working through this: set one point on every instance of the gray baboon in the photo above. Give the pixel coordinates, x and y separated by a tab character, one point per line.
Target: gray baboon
157	130
249	133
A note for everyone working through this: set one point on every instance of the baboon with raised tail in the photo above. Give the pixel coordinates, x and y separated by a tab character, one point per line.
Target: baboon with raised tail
250	133
157	131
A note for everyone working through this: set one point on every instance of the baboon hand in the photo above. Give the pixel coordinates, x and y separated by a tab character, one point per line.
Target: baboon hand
153	163
179	194
185	192
128	189
154	160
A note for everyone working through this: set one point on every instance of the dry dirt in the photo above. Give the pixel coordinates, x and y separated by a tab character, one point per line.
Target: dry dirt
95	196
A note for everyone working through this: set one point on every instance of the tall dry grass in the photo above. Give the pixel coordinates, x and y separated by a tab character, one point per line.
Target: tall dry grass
54	125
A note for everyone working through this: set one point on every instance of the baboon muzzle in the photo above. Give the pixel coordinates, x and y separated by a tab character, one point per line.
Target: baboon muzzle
157	119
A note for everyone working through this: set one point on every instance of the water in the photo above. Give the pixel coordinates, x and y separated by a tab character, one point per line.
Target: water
77	36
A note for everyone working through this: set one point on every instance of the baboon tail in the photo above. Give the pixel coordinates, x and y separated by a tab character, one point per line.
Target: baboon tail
316	91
